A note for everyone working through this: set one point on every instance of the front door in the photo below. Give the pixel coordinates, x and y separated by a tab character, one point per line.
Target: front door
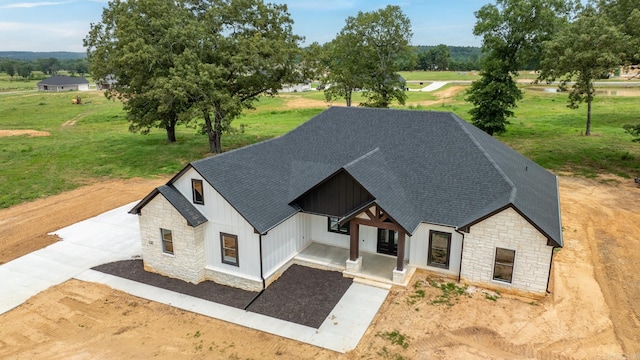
388	242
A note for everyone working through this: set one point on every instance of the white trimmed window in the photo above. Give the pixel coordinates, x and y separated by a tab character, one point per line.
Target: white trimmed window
167	241
503	265
229	248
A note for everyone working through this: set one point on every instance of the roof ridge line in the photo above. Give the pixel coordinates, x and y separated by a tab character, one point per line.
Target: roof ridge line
352	162
512	197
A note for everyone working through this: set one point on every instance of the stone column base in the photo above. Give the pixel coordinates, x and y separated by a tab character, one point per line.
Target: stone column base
355	265
399	276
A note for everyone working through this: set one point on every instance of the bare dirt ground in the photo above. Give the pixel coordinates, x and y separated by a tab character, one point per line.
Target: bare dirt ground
31	133
24	227
593	312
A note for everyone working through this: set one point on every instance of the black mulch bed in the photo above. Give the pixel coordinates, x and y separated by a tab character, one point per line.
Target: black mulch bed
301	295
207	290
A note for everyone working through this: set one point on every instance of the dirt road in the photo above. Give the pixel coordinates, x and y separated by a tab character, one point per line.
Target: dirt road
592	313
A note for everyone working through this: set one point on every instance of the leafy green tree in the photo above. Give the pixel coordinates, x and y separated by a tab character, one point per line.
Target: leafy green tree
195	62
10	67
244	49
439	58
367	53
344	64
588	48
49	66
625	15
494	95
137	43
25	69
512	34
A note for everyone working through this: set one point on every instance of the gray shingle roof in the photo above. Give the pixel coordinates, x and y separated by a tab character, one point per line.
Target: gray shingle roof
420	166
179	202
63	80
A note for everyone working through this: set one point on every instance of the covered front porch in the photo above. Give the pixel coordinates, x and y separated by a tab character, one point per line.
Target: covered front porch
377	268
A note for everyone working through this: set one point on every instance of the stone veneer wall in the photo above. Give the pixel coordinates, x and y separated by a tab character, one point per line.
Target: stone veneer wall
507	230
233	280
188	260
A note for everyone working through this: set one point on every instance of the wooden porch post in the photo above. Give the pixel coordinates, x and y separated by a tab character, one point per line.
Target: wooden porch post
354	246
400	256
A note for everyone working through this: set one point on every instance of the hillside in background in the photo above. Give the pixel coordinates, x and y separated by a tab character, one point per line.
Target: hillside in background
458	53
30	55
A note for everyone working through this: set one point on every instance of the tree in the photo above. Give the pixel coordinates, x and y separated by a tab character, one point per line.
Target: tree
244	49
494	95
344	64
137	43
49	66
367	53
25	69
625	15
438	58
587	49
512	34
191	61
10	67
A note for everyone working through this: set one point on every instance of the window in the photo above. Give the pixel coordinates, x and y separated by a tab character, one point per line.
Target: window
229	245
503	266
198	191
439	249
167	241
335	227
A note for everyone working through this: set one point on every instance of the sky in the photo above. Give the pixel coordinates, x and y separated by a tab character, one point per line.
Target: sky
60	25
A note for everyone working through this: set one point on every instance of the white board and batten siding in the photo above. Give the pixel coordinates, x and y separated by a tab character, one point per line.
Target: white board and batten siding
223	218
284	241
419	249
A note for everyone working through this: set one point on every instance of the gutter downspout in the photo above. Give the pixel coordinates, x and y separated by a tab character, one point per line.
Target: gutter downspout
461	252
261	276
550	265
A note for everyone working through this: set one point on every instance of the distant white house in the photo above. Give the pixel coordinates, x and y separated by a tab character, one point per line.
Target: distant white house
63	83
289	88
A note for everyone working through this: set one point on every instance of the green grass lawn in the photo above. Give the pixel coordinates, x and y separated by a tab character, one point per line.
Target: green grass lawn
99	145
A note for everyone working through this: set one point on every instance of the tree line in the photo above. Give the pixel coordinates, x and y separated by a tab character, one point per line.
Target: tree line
200	63
24	69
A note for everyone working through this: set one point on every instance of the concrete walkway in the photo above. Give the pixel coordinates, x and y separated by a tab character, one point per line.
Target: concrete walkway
114	236
341	330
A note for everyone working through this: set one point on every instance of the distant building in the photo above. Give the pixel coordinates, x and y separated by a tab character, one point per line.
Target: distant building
107	83
63	83
289	88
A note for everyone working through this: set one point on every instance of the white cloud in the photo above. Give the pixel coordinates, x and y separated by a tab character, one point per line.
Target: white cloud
66	36
319	5
29	5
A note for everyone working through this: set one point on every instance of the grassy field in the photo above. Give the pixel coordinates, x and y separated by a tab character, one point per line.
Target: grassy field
91	141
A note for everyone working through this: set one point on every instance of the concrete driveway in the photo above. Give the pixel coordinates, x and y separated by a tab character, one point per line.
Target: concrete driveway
108	237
